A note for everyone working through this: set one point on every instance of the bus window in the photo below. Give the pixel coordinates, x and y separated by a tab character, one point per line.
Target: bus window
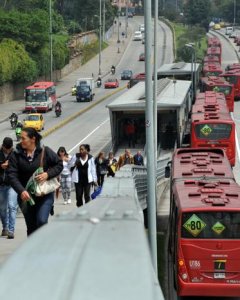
211	225
223	89
231	79
36	95
214	131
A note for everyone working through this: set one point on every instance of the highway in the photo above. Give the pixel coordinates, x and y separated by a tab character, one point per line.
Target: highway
93	127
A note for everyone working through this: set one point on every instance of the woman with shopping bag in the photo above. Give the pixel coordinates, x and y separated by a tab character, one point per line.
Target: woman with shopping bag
33	171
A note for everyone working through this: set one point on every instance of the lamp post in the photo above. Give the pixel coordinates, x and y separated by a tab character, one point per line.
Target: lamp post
126	23
234	14
100	37
50	40
193	65
151	179
104	20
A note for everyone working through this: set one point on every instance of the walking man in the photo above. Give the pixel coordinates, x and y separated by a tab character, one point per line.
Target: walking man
8	197
138	159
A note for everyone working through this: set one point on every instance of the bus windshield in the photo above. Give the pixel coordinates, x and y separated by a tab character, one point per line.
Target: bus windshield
213	131
36	96
223	89
231	79
211	225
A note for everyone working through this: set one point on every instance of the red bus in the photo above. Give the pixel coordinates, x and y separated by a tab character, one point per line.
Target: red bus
220	85
211	58
233	77
214	42
216	51
204	226
214	129
212	69
40	96
210	102
233	67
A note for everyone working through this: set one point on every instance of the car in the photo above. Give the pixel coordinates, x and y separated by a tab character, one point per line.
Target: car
217	27
74	90
137	36
143	40
111	83
142	28
35	121
126	74
142	57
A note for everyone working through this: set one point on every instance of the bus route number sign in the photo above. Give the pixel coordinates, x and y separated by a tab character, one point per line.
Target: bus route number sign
194	225
206	130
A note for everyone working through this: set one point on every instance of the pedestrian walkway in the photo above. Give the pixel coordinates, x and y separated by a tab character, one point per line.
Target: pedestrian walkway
109	56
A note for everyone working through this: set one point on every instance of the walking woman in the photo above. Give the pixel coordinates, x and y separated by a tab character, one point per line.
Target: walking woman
24	161
66	176
111	165
101	167
84	174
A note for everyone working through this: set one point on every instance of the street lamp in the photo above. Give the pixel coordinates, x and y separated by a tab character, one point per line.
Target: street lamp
126	23
100	37
50	40
234	14
193	71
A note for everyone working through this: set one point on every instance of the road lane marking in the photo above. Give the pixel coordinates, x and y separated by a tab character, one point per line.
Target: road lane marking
87	136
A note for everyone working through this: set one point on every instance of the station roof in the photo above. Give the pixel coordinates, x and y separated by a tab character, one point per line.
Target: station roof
180	68
171	95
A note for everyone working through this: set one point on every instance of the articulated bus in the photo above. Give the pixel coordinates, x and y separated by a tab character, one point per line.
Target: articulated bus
233	77
212	69
216	51
219	85
41	96
214	42
233	67
210	102
135	79
215	130
211	58
204	225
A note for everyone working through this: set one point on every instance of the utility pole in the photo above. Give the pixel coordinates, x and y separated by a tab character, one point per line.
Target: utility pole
100	36
151	179
118	25
126	25
155	112
104	19
50	40
234	14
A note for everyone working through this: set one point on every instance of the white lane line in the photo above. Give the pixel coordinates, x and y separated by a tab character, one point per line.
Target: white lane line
87	136
237	141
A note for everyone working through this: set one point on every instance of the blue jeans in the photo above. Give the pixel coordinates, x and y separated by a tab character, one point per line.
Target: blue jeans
4	195
12	209
36	215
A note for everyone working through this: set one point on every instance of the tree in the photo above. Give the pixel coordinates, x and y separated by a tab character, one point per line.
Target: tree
197	12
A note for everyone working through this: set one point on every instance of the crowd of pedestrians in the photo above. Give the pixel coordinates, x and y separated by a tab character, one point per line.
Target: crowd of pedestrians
31	167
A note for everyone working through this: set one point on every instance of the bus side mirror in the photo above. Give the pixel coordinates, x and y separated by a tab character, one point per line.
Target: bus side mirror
167	172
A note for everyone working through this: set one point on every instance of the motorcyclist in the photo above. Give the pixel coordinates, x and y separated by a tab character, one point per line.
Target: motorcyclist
113	69
58	106
13	119
18	130
99	81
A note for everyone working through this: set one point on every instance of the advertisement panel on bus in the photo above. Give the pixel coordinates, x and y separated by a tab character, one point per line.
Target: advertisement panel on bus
41	96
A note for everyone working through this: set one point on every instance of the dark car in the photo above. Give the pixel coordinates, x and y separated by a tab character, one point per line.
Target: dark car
142	57
126	74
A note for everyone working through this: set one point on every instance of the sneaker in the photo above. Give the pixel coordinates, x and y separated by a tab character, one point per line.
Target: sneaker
69	201
10	235
65	202
4	232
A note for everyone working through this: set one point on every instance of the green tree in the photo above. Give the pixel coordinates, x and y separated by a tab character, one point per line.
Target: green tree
197	12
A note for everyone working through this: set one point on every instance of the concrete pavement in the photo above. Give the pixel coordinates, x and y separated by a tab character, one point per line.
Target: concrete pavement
109	56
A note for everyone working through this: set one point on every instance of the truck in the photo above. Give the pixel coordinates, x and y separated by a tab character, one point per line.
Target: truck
84	89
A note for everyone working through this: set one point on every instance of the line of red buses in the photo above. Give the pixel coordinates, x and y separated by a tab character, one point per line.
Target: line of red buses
204	225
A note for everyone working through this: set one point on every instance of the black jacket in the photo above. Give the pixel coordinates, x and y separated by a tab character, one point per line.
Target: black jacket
21	169
138	160
3	173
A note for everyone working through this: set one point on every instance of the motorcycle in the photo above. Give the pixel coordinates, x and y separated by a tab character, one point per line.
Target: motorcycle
18	131
99	83
13	120
58	111
113	70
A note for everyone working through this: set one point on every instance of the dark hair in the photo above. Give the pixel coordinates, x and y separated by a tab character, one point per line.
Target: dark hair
87	147
32	133
62	149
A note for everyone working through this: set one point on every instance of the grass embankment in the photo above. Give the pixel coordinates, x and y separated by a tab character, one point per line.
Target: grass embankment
184	35
90	50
